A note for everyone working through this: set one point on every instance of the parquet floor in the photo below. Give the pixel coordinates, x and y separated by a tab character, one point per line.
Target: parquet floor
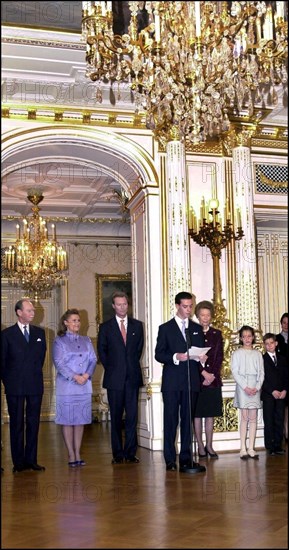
235	504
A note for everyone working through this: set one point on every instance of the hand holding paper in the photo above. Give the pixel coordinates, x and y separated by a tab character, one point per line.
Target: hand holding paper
195	353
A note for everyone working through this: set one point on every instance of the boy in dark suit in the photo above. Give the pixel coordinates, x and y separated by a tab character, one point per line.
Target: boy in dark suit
23	353
274	391
171	350
120	345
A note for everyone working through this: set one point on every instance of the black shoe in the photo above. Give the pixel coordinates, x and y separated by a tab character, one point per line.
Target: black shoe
194	468
171	466
271	452
35	467
203	456
19	468
211	455
279	451
132	459
117	460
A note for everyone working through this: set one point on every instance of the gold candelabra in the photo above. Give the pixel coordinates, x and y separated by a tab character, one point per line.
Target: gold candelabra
34	262
188	64
208	231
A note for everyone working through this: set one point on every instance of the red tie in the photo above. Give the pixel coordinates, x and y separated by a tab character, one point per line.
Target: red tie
122	330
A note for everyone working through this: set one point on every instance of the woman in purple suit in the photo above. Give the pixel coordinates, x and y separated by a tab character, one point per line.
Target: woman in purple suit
209	402
75	361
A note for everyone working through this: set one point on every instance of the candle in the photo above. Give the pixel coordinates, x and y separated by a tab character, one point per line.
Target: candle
202	211
103	8
198	19
280	9
191	218
268	25
214	184
53	232
13	259
17	231
258	30
228	209
24	227
239	222
157	28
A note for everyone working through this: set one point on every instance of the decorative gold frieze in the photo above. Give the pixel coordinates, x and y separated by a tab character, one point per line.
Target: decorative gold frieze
58	117
31	114
272	183
229	421
67	219
86	118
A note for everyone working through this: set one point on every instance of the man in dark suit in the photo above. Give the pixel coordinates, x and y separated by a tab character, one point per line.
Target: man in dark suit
171	350
282	337
120	346
273	394
23	354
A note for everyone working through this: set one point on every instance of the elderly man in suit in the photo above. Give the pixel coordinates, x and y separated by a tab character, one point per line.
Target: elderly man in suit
120	346
171	350
23	354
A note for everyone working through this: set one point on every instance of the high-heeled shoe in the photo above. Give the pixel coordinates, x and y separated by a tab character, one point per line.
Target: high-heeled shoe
203	456
72	464
211	455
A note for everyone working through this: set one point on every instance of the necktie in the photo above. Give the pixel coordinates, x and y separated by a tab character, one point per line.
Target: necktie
122	330
275	360
26	334
184	328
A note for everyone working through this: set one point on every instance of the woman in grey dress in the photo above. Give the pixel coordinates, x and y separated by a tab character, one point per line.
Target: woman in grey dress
75	361
248	372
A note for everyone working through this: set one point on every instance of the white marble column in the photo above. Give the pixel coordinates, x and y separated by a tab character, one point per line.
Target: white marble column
177	223
246	257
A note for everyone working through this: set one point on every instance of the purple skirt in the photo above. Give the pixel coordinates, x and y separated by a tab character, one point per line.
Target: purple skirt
73	410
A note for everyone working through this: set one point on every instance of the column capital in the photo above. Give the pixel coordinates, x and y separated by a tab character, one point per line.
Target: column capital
237	138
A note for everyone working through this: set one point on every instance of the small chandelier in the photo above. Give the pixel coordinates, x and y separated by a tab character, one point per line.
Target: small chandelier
189	64
35	262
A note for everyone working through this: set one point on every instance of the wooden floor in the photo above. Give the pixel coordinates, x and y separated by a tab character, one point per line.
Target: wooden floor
235	504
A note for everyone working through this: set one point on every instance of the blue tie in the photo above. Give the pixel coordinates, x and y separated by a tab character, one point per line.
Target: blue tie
26	334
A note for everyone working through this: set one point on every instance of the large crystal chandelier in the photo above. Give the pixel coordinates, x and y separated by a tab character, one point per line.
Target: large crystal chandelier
189	64
35	262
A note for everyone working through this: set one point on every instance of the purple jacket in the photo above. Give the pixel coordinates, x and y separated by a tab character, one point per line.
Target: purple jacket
73	354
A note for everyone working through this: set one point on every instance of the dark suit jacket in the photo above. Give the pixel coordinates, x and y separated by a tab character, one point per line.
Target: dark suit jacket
170	341
214	340
276	378
22	362
282	346
121	362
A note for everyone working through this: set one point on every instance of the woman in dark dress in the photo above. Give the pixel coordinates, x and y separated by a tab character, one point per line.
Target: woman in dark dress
209	402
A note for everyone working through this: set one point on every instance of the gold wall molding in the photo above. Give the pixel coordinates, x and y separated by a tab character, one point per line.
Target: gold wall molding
73	220
229	421
69	44
74	115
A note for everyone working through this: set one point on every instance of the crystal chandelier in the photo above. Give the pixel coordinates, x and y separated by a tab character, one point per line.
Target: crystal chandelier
35	262
189	64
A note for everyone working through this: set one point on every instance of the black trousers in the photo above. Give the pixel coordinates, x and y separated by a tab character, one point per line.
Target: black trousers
273	416
123	401
176	408
23	441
